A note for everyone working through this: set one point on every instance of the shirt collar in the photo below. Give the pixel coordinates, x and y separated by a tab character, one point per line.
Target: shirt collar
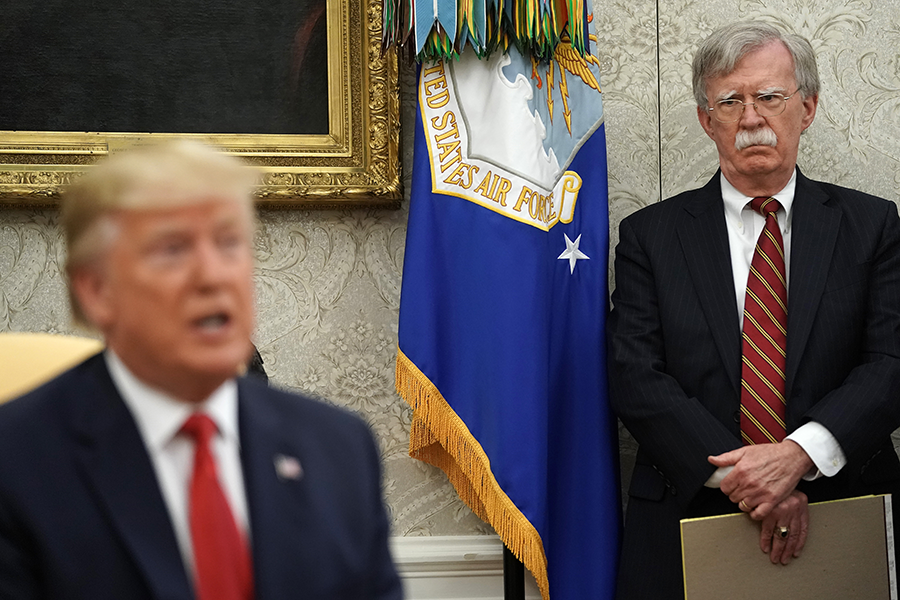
736	202
160	416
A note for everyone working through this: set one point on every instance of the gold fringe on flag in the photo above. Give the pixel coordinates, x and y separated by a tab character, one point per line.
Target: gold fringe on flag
439	437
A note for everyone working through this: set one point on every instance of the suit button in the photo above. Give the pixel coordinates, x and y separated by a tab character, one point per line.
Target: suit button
736	416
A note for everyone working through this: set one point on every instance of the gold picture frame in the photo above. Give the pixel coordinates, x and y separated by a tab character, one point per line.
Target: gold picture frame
355	163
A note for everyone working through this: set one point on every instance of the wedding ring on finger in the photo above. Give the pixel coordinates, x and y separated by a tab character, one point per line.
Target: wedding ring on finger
782	532
744	506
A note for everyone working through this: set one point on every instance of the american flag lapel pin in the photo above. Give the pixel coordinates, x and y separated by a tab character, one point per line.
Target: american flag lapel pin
287	468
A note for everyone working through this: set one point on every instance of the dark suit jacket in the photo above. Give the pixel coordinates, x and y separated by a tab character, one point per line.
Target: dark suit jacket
675	357
82	517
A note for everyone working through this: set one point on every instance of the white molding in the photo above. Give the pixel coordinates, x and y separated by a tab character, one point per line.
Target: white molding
453	568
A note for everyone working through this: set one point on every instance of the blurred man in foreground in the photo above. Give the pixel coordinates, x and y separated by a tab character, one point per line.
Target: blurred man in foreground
151	470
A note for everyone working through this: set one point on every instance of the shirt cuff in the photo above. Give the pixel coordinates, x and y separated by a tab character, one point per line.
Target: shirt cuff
716	478
821	447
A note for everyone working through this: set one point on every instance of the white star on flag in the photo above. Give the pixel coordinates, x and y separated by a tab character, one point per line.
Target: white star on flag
572	253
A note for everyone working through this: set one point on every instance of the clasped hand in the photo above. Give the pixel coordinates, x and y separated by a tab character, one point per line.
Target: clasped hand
763	484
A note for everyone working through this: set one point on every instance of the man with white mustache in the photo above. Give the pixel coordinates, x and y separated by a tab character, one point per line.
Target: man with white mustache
681	338
757	137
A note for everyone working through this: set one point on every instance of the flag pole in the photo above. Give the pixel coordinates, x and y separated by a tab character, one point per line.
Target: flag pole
513	576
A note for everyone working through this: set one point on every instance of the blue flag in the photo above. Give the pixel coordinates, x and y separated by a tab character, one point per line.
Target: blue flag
501	344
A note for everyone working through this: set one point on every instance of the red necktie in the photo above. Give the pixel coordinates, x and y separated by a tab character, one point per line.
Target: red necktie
764	335
221	555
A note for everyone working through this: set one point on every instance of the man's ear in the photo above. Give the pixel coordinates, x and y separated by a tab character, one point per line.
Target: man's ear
91	289
705	121
810	104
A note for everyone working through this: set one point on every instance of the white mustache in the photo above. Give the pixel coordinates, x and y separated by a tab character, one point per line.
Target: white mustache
757	137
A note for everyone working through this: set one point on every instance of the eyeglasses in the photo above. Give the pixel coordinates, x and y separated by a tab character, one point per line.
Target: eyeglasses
730	110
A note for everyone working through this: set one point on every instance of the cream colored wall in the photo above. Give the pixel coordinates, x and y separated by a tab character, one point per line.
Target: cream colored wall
329	282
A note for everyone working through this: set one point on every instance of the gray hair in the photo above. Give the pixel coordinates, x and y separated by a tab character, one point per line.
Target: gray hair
721	51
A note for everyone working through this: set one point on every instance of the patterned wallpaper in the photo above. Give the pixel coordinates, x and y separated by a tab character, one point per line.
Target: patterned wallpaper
329	282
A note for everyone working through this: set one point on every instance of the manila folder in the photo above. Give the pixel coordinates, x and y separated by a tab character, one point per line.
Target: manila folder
849	553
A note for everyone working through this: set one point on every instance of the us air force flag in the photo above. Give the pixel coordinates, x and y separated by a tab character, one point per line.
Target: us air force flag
502	352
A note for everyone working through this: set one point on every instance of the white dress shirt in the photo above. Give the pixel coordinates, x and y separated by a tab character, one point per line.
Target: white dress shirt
744	226
159	419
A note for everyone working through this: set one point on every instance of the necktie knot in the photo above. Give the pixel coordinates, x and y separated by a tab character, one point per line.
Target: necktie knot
765	205
200	427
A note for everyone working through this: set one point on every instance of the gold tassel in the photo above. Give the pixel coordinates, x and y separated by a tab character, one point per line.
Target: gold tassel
440	438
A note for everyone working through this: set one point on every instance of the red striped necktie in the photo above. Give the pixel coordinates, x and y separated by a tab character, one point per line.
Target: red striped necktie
764	335
221	556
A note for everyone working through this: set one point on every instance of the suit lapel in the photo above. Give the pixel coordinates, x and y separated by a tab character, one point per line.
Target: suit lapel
276	493
813	237
704	242
112	456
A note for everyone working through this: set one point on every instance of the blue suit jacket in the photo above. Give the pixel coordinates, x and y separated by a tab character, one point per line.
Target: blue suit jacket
675	357
82	517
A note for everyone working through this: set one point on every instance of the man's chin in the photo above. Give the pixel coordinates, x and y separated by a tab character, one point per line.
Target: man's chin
222	368
228	355
215	366
757	159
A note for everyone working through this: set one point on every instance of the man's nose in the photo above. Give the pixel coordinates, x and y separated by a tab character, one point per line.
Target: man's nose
750	118
211	265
